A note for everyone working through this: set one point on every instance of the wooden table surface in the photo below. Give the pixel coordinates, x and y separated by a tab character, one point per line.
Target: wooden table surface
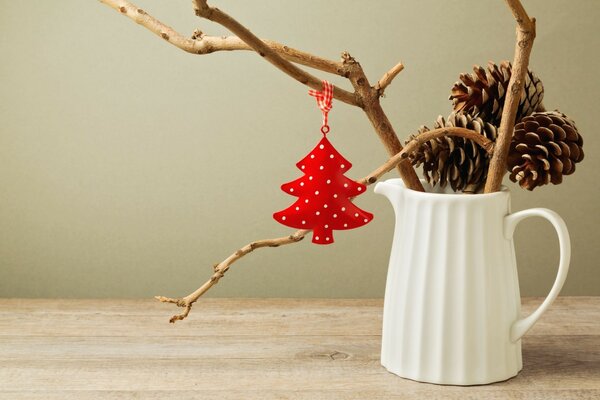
260	349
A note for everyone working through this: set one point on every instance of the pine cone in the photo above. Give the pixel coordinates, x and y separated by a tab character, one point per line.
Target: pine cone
482	93
545	146
455	160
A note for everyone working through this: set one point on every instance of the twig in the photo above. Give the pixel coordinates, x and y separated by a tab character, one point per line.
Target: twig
388	77
425	137
525	38
204	44
221	268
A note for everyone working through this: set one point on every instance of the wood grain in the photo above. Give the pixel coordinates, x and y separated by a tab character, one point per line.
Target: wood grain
261	349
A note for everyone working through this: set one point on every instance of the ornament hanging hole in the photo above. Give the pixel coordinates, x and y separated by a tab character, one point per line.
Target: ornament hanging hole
325	129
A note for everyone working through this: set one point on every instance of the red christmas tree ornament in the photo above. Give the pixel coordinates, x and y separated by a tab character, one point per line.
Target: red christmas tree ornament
323	192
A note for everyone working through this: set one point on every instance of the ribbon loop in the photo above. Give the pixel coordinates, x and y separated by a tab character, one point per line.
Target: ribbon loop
324	98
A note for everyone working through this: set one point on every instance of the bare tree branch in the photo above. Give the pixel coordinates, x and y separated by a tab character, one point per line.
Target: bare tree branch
204	44
221	268
525	38
365	96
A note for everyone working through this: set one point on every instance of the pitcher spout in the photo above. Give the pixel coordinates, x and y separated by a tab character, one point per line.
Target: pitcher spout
386	189
389	190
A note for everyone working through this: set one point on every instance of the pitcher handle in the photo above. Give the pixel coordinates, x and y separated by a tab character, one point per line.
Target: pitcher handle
521	326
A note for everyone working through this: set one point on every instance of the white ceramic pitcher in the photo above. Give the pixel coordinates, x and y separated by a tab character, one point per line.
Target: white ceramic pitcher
452	312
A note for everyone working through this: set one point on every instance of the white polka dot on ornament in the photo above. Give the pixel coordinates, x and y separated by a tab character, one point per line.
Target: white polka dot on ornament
331	156
343	166
356	215
321	147
283	218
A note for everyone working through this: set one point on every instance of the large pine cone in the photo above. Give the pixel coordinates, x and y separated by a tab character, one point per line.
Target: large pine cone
545	146
455	160
482	93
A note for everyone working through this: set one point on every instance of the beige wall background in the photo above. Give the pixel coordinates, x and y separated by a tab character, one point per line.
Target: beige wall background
128	167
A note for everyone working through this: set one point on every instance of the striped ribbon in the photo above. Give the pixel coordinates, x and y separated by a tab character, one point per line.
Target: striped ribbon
324	98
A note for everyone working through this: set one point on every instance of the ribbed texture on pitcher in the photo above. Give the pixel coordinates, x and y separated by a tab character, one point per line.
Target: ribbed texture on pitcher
452	291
